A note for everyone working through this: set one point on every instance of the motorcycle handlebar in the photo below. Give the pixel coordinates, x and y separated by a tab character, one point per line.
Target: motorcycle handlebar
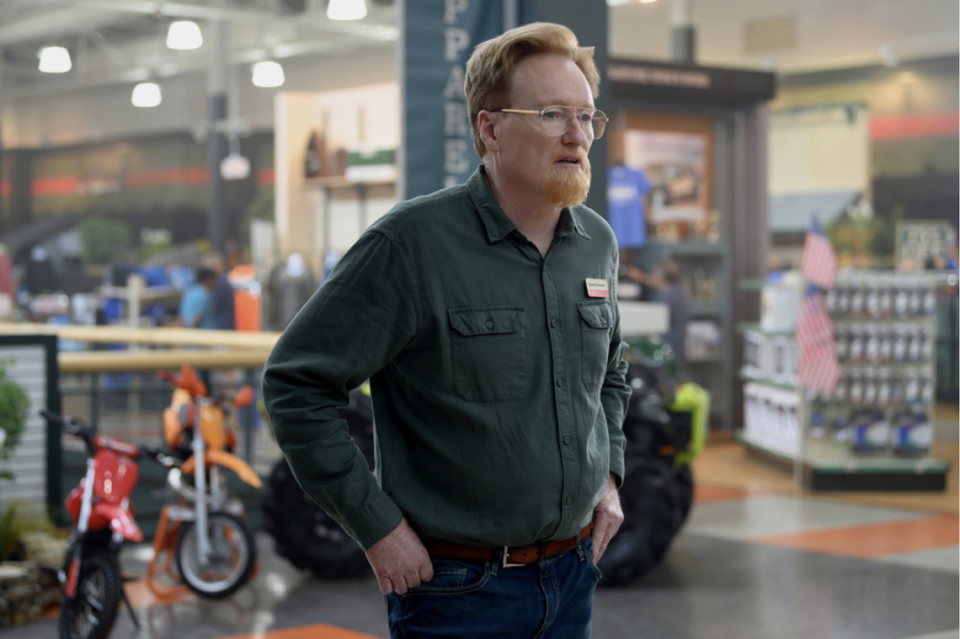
72	425
159	455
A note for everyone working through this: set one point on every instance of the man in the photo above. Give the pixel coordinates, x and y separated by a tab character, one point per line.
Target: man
222	303
484	316
195	308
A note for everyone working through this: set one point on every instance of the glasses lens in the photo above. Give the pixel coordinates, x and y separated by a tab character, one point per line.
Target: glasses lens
599	124
556	121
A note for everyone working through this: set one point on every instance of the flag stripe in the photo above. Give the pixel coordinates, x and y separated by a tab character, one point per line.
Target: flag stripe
818	263
817	368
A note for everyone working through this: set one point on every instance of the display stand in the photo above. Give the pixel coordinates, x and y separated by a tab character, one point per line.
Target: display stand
331	185
699	136
874	432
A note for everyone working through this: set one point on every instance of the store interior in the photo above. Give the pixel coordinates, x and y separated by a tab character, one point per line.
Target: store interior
739	130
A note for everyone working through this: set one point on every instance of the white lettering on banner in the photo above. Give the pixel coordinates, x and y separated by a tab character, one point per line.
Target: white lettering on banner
457	40
454	88
455	120
453	9
456	126
455	156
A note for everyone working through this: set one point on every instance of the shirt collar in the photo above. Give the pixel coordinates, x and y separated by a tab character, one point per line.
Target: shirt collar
496	222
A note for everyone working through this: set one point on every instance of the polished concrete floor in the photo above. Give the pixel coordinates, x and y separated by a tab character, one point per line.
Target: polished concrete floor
758	558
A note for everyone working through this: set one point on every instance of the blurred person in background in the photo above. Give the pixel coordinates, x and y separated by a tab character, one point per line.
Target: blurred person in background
196	310
222	303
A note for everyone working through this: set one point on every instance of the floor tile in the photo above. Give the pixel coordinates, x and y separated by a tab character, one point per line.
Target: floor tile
703	494
945	559
781	515
872	540
947	634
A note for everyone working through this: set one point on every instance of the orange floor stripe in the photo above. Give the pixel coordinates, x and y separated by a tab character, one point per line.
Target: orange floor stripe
874	540
704	494
319	631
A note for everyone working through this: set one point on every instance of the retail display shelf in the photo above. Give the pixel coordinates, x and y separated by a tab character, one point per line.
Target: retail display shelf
687	249
753	284
701	308
340	182
748	376
753	327
848	472
777	455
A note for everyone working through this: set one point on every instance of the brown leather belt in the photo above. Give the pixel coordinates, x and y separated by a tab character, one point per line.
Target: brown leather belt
515	556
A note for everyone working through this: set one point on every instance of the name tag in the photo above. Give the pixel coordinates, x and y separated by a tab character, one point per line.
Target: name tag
597	288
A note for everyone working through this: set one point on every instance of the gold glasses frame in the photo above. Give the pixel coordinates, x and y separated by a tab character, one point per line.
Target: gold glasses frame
597	119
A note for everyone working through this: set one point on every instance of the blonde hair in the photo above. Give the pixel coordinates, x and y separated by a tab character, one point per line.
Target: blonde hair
490	67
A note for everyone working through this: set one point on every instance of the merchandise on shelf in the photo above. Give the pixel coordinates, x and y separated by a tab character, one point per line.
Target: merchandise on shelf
881	407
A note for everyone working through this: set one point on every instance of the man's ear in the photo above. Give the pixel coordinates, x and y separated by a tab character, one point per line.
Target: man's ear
487	126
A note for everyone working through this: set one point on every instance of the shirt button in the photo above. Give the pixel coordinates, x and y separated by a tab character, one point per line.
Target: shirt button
569	500
560	382
554	323
566	440
489	323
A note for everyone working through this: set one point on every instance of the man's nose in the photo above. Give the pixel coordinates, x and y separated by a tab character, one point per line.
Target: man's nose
576	132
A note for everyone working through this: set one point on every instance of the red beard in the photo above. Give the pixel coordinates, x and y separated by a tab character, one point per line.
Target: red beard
568	188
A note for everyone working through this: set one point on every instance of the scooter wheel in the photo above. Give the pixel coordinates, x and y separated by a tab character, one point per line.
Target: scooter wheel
90	613
233	555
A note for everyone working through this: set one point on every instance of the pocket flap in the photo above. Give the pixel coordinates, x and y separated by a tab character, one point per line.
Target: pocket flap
487	321
596	314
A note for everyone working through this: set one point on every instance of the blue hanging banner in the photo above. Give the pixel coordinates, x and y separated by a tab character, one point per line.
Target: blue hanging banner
437	38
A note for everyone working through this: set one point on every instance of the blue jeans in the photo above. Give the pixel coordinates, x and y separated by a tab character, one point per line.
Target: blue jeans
552	598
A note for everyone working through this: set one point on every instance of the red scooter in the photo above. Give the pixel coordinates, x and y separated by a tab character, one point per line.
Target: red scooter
103	515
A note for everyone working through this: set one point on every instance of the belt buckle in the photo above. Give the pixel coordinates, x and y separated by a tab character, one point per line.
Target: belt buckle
506	555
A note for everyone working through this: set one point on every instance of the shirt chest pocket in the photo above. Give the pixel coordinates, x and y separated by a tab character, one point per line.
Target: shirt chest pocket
596	322
489	352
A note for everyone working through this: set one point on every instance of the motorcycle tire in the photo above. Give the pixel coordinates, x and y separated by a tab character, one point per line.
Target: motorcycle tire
652	515
683	478
91	612
304	534
232	560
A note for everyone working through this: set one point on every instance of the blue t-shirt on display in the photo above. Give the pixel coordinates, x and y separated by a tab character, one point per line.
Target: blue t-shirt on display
627	188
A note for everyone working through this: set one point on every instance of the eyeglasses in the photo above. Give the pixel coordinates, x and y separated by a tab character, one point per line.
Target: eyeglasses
555	120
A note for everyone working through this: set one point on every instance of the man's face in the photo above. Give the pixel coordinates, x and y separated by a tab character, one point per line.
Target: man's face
556	167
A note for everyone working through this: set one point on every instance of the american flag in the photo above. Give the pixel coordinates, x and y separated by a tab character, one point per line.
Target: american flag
818	264
817	368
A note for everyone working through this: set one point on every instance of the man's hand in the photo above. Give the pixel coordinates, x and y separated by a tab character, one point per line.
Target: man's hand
400	561
607	517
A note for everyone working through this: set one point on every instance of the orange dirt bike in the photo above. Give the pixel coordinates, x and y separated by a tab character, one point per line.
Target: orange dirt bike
204	532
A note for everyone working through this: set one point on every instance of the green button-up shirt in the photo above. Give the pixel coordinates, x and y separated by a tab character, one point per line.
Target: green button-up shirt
496	374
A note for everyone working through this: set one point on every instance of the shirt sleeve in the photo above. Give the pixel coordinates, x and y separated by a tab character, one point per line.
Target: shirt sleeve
615	392
353	326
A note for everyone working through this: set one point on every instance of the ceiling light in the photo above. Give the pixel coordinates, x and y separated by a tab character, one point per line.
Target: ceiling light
346	9
146	94
184	35
55	60
647	1
268	74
